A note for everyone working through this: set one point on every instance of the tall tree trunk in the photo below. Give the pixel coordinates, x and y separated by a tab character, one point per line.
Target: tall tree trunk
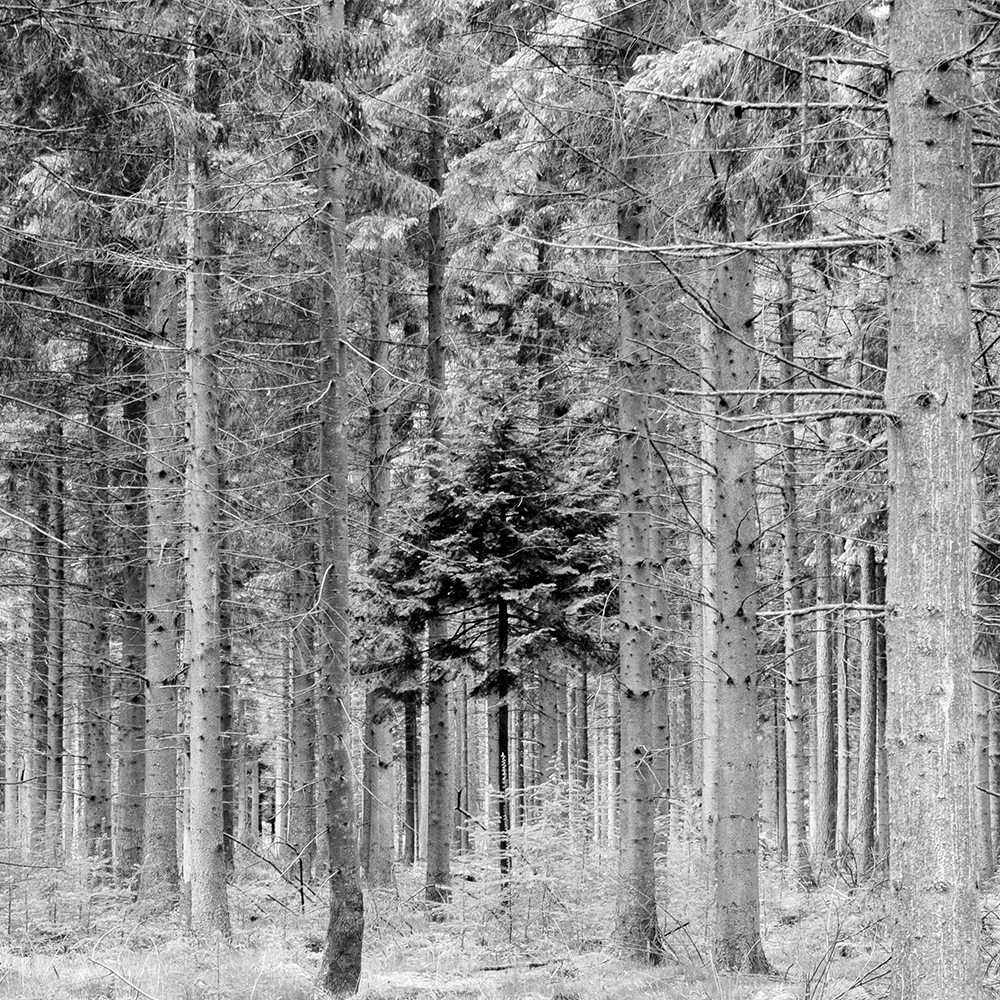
131	721
503	751
637	925
881	751
411	795
55	795
97	713
780	771
14	745
380	776
302	818
38	689
547	748
159	876
440	781
825	747
460	709
843	836
707	670
929	403
340	968
209	904
737	932
865	830
796	771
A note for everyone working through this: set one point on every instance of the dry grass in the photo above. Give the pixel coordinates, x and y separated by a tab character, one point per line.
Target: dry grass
70	939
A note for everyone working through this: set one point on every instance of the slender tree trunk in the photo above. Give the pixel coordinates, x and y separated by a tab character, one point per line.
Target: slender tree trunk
460	707
340	969
547	748
867	735
780	771
737	932
209	904
54	792
97	710
381	780
881	751
131	721
826	714
159	876
929	402
13	742
38	691
440	779
708	668
411	797
302	806
637	925
796	771
503	752
843	836
984	680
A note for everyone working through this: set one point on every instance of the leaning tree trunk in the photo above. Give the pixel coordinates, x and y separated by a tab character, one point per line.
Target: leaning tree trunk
340	968
737	894
929	600
209	904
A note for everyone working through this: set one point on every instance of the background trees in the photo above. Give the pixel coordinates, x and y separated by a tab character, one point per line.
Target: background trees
535	454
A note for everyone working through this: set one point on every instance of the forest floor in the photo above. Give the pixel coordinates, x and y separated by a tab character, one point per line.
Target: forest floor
65	937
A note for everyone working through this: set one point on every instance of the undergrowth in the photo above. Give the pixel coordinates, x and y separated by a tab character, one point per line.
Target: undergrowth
69	933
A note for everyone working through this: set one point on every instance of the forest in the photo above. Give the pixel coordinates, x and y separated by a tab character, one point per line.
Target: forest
498	498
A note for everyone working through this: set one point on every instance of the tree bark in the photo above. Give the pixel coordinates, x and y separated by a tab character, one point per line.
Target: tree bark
929	403
440	777
340	968
637	925
865	830
411	796
97	718
825	747
54	791
130	687
38	690
209	904
737	931
796	771
379	772
159	876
